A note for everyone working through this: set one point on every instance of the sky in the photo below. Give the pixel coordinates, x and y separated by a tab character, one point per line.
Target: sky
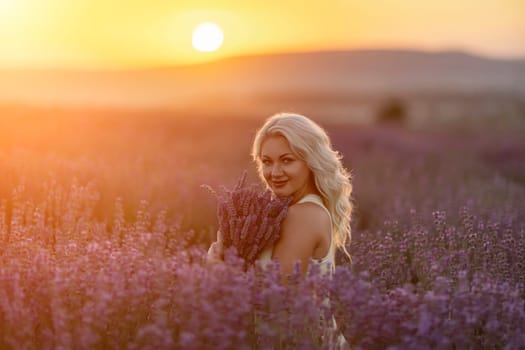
99	34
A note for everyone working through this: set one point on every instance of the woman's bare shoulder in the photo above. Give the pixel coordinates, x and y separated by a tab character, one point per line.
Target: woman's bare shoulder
307	218
300	233
309	213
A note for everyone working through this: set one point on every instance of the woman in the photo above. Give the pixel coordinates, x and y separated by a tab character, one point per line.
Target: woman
294	157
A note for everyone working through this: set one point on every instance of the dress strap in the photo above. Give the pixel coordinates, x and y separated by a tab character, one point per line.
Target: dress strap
316	199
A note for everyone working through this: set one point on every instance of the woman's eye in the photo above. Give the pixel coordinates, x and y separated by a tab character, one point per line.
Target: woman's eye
287	160
266	161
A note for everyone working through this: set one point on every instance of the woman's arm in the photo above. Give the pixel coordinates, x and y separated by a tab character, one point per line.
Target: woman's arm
216	250
301	232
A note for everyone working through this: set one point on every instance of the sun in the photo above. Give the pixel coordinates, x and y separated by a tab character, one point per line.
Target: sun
207	37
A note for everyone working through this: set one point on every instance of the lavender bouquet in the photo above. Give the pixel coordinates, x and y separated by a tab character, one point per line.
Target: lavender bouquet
249	220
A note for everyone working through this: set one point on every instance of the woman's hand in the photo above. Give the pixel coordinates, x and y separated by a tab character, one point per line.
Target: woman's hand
216	251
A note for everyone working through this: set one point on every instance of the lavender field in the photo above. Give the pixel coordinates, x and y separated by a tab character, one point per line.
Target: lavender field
104	229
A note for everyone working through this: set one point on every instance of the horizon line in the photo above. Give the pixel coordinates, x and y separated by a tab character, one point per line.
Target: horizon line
160	66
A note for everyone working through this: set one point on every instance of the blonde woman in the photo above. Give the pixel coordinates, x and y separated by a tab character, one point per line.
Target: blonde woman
294	157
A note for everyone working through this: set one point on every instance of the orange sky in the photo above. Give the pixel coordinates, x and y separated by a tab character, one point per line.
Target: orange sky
138	33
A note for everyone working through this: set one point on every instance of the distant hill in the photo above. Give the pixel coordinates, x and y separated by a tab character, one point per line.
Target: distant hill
330	72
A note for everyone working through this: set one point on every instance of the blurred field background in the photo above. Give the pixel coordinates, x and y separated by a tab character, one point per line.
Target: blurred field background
420	149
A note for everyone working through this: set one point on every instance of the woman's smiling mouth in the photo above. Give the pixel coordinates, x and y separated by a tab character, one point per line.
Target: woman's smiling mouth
279	183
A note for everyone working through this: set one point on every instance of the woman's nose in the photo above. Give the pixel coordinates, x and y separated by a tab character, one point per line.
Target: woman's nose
277	170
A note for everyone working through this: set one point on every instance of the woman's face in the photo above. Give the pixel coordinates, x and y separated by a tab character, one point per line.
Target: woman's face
284	172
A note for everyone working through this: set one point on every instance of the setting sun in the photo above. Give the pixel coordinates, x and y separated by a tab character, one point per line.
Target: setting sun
207	37
122	34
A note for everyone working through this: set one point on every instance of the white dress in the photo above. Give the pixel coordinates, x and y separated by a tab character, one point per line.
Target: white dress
327	265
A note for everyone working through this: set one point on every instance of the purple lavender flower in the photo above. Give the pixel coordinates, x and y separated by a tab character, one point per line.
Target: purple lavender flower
249	220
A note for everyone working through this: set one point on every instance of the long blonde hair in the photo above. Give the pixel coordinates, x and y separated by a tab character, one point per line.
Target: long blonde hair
311	143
